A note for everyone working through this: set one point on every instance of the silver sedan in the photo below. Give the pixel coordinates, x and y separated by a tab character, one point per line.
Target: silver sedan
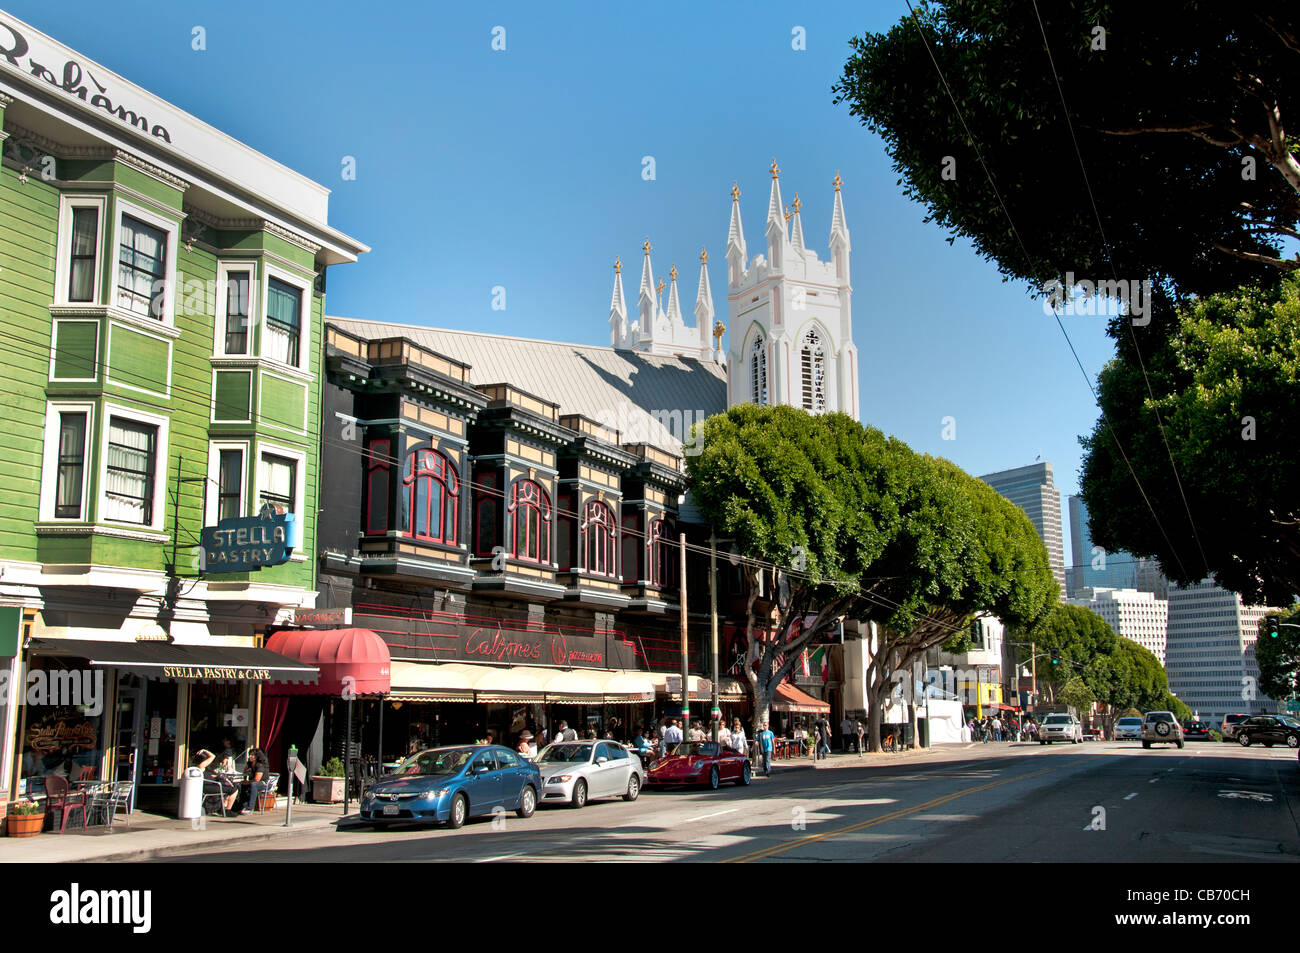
574	772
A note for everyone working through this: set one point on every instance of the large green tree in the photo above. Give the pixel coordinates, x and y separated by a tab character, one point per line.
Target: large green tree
1167	101
866	529
1181	113
1226	388
1279	658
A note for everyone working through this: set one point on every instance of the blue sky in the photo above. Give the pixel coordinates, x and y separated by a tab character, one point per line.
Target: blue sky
522	169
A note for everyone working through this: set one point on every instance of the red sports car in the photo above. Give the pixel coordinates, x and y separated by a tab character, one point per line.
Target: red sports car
699	762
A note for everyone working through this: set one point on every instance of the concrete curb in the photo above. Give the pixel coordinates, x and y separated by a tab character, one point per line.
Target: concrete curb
262	834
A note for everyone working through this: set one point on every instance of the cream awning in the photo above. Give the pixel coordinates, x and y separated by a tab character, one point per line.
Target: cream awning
520	684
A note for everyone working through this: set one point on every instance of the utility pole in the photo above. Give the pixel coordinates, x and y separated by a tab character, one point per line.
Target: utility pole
1033	661
686	685
715	713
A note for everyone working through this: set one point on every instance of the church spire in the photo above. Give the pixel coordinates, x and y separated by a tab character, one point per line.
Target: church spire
737	256
617	309
796	232
674	308
776	234
704	304
647	303
840	244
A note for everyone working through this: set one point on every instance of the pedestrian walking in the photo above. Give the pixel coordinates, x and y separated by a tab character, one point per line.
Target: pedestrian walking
765	742
738	738
862	737
823	740
846	733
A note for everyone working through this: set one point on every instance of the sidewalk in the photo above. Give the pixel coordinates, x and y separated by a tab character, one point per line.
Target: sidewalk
839	759
152	835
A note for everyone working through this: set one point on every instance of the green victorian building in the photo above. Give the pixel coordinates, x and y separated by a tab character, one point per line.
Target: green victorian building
161	299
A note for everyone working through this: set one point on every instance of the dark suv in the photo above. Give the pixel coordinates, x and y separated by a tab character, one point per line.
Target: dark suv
1269	730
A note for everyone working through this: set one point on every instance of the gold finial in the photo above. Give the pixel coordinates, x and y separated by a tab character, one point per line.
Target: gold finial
735	190
838	180
719	329
774	170
646	247
704	254
796	206
788	214
660	287
672	272
618	266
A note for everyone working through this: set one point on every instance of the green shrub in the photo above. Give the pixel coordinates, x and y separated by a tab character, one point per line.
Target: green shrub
333	768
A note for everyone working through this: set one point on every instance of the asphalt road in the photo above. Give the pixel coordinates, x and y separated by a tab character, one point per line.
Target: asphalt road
1097	802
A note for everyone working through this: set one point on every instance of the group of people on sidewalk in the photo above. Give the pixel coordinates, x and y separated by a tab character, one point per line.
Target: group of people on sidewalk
996	728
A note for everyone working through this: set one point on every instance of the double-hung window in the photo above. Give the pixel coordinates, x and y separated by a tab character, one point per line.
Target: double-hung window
230	483
237	286
142	268
132	462
82	254
277	478
283	322
70	475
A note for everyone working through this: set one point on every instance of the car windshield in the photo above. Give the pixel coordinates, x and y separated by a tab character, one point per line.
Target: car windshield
689	749
1057	720
439	761
1289	721
565	754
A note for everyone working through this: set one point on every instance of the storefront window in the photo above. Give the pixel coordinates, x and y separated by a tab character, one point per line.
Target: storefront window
219	719
63	719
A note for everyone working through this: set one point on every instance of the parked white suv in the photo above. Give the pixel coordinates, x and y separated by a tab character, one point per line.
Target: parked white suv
1060	728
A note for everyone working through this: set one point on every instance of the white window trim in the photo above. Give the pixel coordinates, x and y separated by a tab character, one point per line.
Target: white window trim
305	316
299	484
123	207
224	268
63	257
160	465
214	478
50	460
54	353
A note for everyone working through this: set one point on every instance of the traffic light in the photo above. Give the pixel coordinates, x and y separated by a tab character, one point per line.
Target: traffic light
1272	627
1056	659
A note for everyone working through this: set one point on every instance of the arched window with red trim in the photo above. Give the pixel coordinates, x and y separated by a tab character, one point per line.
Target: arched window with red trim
662	554
430	497
530	509
599	539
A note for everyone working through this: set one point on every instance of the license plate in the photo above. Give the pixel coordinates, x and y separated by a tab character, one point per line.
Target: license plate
390	809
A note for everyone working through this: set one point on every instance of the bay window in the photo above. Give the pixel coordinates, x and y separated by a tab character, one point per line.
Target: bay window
131	465
283	322
142	268
430	497
530	508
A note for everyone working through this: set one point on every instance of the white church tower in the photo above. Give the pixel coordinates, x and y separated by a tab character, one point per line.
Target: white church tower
791	314
660	327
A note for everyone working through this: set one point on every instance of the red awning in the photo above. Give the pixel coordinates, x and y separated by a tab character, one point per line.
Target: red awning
352	661
789	698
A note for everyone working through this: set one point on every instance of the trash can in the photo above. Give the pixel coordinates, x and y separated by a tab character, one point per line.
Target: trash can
923	729
191	805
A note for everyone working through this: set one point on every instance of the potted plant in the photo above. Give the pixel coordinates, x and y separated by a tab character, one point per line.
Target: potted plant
26	818
327	787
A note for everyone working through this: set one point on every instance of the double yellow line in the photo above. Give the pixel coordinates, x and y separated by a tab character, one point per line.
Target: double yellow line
883	819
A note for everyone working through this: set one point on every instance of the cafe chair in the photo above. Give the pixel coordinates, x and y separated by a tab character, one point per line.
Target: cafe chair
60	800
212	789
85	773
111	798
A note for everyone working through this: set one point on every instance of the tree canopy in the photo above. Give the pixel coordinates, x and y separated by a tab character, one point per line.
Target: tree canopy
1227	390
866	529
1279	658
1180	112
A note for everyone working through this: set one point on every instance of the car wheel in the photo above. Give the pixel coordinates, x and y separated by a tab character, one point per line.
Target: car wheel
1180	746
1243	739
633	788
745	775
1293	741
579	794
459	811
527	802
1042	742
713	778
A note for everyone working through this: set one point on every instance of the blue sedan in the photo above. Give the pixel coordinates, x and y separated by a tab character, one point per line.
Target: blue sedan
450	785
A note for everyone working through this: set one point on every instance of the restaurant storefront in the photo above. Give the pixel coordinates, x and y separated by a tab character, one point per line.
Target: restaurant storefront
136	711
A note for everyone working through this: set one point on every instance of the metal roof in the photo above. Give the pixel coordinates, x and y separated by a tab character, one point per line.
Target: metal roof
648	398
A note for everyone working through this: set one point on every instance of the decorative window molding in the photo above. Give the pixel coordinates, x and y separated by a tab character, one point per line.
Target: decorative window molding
758	371
812	372
430	497
599	540
273	339
218	481
530	511
73	208
56	458
161	312
157	480
223	334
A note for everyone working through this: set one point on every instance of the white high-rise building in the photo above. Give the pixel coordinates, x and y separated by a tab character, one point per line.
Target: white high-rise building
1210	652
1132	614
790	313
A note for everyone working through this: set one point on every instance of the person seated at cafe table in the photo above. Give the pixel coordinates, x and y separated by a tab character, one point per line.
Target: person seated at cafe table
206	762
257	775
